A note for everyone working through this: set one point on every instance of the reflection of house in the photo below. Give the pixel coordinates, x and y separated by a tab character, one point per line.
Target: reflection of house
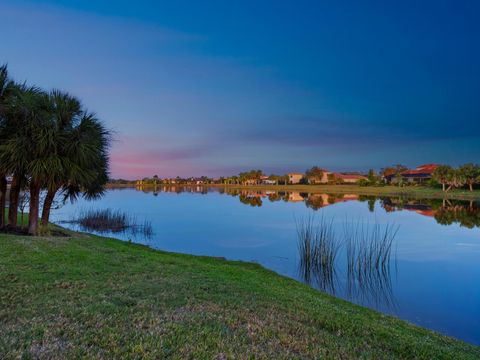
295	178
317	201
295	197
420	174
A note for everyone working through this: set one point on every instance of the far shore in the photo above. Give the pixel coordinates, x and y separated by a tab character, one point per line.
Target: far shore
408	191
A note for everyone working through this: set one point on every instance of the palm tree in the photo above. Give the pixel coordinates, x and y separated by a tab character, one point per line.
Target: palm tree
471	173
20	122
48	142
66	112
442	174
84	155
6	87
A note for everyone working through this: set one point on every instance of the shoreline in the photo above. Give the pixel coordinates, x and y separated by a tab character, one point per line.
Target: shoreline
393	191
196	291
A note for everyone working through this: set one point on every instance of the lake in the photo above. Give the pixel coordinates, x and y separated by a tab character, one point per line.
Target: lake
431	278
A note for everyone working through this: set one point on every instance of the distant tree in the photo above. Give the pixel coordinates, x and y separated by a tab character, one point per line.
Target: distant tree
23	201
331	178
363	182
372	177
395	171
471	174
314	174
455	179
442	174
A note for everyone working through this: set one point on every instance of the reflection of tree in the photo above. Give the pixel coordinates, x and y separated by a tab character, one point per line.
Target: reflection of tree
371	205
250	200
332	199
274	197
445	212
314	201
468	217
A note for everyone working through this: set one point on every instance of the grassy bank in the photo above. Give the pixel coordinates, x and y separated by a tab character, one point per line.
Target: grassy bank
87	296
409	191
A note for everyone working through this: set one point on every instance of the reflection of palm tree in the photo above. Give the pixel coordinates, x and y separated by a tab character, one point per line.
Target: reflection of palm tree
314	201
466	215
250	200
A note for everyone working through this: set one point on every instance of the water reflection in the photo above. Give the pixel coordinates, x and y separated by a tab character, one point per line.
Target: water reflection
445	212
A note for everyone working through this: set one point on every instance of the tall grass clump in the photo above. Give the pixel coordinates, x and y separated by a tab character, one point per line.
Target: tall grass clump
369	250
112	221
318	247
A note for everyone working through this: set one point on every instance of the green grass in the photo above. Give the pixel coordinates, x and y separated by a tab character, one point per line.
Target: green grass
85	296
20	221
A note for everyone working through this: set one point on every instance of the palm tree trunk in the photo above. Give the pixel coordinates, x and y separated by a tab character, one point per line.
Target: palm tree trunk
443	187
3	199
47	205
15	188
34	207
471	186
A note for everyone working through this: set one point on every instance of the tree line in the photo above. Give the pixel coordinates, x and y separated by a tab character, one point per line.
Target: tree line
48	142
450	177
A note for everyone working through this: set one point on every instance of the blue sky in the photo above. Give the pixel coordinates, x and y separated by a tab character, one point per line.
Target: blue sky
218	87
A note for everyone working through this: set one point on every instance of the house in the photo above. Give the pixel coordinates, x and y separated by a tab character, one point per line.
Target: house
265	180
318	180
331	177
349	178
295	178
420	174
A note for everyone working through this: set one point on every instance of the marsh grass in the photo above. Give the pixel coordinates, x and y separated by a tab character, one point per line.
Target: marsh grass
112	221
318	248
369	252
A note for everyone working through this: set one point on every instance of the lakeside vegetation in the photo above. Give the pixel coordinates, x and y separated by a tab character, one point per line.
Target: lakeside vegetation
50	142
104	221
88	296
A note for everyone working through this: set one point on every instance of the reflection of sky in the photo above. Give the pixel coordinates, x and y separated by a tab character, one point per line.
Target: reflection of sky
435	285
213	88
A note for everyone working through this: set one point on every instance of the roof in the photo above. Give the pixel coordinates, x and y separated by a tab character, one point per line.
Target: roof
295	173
422	169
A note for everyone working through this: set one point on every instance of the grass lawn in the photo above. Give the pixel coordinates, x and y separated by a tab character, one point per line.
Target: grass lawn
85	296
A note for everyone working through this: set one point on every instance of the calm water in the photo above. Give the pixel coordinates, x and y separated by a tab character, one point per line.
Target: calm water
432	280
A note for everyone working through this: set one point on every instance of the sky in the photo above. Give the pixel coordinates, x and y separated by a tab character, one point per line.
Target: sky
194	88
